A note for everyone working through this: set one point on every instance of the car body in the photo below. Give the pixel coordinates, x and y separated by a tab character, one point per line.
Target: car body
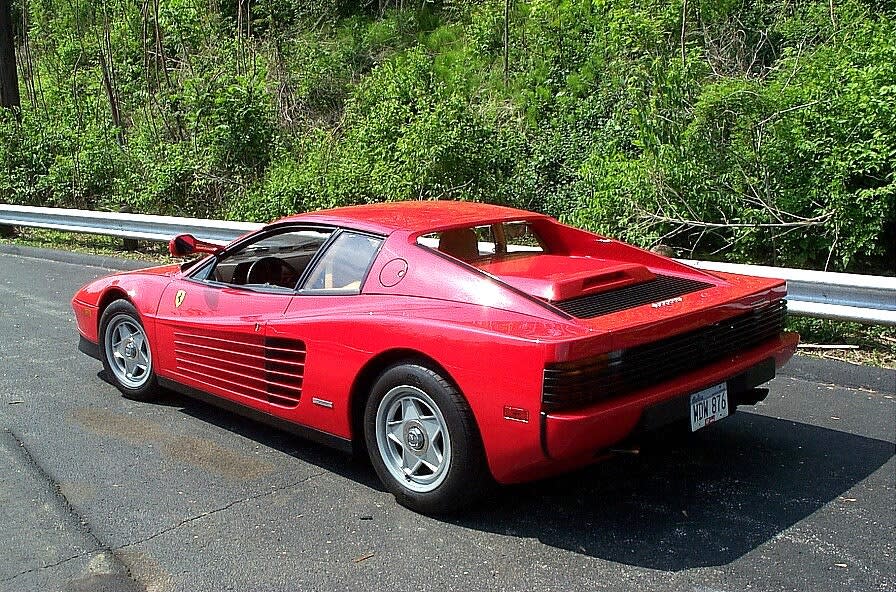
460	343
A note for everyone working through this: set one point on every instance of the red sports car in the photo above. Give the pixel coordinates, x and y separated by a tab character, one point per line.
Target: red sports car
460	344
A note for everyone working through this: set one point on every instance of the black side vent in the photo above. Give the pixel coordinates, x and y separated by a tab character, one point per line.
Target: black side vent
284	370
568	385
662	287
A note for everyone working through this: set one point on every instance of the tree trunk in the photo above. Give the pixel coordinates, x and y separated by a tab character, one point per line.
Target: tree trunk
108	68
9	78
506	39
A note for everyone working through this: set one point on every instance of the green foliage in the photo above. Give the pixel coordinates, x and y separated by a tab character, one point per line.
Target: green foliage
57	167
296	181
757	131
410	135
776	150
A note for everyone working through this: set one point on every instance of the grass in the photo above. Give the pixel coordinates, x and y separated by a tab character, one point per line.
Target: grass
94	244
870	345
865	344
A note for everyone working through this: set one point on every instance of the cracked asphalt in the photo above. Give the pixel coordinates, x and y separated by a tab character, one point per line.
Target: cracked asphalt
100	493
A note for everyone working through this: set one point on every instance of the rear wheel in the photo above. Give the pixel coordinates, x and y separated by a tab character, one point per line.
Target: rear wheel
127	355
422	440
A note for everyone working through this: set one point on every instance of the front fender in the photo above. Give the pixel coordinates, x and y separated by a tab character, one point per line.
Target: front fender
142	289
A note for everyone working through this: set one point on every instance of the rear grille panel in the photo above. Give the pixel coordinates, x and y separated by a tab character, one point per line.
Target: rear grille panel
662	287
569	385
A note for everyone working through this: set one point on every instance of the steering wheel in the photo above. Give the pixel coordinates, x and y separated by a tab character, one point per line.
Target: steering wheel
272	270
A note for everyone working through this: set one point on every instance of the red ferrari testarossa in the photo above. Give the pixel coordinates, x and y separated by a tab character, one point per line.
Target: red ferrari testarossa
461	344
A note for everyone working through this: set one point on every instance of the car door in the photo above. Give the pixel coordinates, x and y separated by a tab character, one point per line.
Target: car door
214	322
324	314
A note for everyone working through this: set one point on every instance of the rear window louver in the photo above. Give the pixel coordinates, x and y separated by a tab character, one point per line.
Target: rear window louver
662	287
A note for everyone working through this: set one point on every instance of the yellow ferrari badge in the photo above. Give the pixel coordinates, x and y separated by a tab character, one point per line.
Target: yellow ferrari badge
179	298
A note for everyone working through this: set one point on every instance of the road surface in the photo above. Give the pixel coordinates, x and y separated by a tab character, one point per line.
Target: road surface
102	493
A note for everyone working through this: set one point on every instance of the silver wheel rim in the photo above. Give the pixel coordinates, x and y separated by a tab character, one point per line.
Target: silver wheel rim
127	351
412	438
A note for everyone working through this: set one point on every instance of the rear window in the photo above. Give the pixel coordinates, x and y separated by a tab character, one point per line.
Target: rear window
487	241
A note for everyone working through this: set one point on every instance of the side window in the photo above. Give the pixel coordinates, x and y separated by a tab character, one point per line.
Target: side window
344	264
275	261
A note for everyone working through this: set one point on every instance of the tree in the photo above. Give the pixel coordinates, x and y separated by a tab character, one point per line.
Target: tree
9	79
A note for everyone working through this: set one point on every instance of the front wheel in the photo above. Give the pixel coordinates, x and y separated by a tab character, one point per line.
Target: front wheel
422	440
127	355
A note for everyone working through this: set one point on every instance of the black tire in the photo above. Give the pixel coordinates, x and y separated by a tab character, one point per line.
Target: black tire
128	361
443	423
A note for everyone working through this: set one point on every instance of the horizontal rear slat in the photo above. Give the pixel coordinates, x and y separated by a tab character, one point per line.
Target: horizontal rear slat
576	384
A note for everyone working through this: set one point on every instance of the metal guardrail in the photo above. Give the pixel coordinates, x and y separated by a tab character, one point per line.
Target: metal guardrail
133	226
819	294
824	294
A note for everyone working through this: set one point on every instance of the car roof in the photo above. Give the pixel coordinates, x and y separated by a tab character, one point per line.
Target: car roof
413	216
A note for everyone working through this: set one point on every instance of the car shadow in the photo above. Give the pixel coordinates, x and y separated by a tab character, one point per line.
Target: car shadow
351	467
696	501
685	501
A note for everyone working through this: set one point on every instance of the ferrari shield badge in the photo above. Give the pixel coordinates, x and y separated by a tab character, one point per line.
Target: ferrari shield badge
179	298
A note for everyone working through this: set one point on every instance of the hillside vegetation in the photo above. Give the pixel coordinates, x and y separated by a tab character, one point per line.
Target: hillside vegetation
754	130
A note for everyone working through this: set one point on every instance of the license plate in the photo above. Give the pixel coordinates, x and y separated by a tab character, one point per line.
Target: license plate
708	406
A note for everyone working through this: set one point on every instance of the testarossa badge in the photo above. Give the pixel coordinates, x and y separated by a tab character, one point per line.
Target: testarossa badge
179	298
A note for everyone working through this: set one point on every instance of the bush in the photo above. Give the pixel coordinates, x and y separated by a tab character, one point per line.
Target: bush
410	136
761	132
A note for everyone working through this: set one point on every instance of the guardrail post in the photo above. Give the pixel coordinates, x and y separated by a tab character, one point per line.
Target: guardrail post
130	244
7	231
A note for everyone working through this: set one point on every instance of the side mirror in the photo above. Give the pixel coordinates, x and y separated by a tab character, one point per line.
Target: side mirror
187	244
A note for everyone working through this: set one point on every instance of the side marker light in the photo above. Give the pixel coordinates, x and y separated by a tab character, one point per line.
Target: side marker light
516	414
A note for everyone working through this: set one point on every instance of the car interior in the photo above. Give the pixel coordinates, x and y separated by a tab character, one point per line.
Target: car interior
280	261
486	242
460	243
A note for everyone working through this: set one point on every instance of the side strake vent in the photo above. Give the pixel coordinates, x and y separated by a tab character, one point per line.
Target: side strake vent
264	368
284	369
568	385
662	287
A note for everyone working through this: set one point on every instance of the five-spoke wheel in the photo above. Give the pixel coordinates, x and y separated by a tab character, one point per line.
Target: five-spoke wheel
131	358
414	439
422	440
127	355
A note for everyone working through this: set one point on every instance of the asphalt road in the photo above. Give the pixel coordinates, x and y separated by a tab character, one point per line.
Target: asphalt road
101	493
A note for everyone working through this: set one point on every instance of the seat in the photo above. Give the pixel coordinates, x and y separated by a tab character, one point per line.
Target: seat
460	243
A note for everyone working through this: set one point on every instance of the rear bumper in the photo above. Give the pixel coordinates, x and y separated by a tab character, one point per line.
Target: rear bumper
741	391
576	438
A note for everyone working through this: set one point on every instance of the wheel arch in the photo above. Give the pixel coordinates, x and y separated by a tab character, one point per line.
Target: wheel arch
109	296
363	383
